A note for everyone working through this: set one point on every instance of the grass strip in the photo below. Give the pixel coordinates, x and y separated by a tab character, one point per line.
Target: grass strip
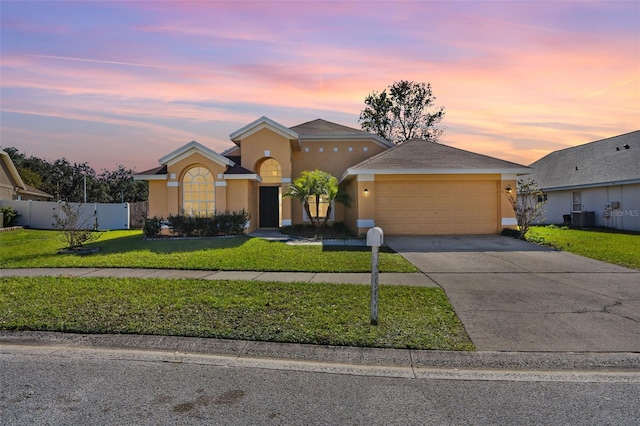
331	314
129	249
613	247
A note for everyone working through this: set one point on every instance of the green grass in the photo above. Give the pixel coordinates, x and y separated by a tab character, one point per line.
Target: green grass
129	249
612	247
331	314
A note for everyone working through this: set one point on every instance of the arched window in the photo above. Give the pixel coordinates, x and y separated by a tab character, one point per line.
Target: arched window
270	171
198	192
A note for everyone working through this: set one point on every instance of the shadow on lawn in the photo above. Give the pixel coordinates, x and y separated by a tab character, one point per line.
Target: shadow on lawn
165	245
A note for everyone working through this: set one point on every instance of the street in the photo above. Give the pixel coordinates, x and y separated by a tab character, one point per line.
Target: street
65	386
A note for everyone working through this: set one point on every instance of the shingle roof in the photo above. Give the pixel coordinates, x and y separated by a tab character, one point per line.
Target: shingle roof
323	127
416	155
161	170
595	163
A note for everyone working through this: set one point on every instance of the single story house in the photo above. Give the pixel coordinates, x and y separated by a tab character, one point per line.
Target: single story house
11	185
417	187
594	184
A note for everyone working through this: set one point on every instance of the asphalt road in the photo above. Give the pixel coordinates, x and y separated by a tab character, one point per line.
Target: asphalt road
65	386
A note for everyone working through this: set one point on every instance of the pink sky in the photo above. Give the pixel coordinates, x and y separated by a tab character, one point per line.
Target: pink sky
127	82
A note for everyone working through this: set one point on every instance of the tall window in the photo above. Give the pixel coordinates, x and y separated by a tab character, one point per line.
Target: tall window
270	171
198	192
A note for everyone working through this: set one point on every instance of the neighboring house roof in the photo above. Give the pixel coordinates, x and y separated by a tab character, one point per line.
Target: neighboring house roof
418	156
12	169
30	190
191	148
610	161
21	187
322	130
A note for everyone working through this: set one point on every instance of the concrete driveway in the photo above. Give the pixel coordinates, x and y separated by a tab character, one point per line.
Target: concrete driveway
515	296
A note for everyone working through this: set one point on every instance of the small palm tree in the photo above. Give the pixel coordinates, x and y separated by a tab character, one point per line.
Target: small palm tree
322	186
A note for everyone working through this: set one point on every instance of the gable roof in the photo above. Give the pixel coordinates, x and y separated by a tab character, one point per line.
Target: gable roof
418	156
320	129
603	162
259	124
191	148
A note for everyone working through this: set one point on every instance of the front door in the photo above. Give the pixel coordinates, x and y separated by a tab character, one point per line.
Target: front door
269	207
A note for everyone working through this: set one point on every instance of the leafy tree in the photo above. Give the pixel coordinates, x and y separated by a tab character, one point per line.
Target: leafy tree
321	187
66	181
527	203
120	186
405	112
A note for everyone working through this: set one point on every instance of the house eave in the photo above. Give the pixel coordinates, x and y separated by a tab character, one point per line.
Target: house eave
515	171
150	177
191	148
590	185
252	176
260	124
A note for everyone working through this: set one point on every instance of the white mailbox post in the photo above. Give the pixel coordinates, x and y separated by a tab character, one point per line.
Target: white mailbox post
375	238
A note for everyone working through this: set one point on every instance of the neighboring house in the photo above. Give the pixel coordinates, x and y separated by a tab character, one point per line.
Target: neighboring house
595	184
418	187
11	185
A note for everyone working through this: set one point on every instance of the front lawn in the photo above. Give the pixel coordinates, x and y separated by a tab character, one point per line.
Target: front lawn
332	314
612	247
128	249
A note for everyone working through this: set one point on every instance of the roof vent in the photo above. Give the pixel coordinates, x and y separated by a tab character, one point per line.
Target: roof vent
617	148
626	146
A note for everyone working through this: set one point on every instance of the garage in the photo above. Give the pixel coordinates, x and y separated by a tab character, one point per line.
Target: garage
427	188
424	205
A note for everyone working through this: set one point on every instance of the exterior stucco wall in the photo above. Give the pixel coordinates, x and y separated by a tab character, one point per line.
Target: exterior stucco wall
158	198
333	157
266	144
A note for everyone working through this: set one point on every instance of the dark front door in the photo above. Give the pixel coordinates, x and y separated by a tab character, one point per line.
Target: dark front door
269	207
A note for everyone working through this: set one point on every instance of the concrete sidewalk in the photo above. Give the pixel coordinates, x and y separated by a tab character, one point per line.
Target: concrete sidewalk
387	278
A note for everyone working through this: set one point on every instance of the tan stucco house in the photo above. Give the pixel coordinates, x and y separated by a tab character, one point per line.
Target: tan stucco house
418	187
12	186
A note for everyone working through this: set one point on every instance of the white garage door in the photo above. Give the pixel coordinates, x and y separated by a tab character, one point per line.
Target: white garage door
427	207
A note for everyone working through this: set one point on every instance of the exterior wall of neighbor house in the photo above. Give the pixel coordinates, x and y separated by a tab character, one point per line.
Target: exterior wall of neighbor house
601	201
7	185
333	157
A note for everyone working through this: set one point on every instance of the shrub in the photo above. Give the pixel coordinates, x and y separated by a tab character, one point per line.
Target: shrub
232	223
220	224
152	226
510	232
9	216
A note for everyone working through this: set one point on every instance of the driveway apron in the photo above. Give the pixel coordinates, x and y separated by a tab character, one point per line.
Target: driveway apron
512	295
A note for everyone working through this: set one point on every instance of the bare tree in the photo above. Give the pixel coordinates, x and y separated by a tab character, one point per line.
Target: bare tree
527	202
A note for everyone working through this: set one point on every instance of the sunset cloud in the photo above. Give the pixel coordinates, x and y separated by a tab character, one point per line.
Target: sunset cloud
517	79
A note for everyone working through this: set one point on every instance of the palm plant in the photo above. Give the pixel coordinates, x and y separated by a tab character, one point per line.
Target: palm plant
321	186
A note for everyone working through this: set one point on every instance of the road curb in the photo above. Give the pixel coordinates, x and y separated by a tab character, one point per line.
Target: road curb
529	361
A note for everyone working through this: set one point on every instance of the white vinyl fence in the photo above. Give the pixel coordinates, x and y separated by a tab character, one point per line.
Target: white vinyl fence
39	214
